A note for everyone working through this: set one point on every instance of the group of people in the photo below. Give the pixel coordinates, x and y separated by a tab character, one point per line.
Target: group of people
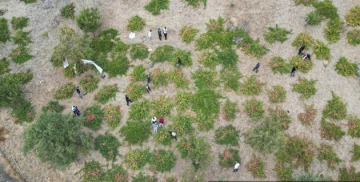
304	55
155	124
164	31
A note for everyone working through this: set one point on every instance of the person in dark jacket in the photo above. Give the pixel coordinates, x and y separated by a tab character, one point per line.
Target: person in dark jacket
301	50
127	100
159	33
292	74
256	68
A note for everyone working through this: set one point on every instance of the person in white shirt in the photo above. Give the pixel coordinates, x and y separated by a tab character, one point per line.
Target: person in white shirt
153	120
236	167
149	35
173	135
165	33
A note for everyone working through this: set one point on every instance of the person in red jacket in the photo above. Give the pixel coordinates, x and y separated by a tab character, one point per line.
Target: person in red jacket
161	122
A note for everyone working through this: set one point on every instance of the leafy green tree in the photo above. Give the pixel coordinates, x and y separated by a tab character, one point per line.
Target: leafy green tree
88	19
57	139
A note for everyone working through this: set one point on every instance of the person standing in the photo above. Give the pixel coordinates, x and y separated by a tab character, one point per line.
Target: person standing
148	89
153	120
159	33
78	92
301	50
161	122
256	68
292	74
236	167
127	100
77	111
178	62
148	78
150	36
155	126
73	109
173	135
165	33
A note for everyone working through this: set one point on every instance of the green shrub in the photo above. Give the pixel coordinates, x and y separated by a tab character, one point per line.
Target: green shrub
227	57
205	123
132	129
94	117
305	2
230	77
135	91
104	42
229	158
326	9
182	100
276	34
326	152
20	55
57	139
308	117
68	11
65	91
139	51
4	30
227	135
345	67
135	24
160	78
106	93
112	115
4	66
162	160
143	178
305	87
19	22
137	159
196	3
23	111
53	106
185	57
251	86
313	18
303	65
230	109
283	172
89	83
119	66
184	147
348	175
182	124
162	106
205	79
20	77
312	177
205	103
69	72
353	37
155	6
352	18
162	54
279	117
28	1
140	111
356	153
254	109
119	49
333	29
178	78
116	173
256	167
256	49
321	50
138	73
354	126
303	39
277	94
92	171
88	19
163	137
197	150
108	145
188	33
330	131
22	38
279	65
335	108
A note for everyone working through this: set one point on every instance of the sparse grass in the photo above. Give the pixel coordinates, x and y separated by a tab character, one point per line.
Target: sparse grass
279	65
116	173
135	24
205	79
251	86
132	129
94	117
305	2
4	30
65	91
196	3
119	66
160	78
135	91
29	1
143	178
137	159
178	78
326	9
185	57
256	49
155	6
277	94
303	65
305	87
353	37
20	55
283	172
138	73
254	109
348	175
229	158
182	100
108	146
352	18
279	117
140	111
106	93
112	115
332	30
53	106
303	39
162	106
162	160
139	51
345	67
227	135
308	117
89	83
331	131
92	171
162	54
68	11
188	33
227	57
322	51
356	153
276	34
163	137
19	22
182	124
21	38
326	152
354	126
314	18
256	167
184	147
230	77
4	66
230	109
20	77
335	108
23	111
205	104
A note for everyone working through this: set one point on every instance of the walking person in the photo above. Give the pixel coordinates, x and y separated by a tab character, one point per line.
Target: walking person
306	56
236	167
256	68
165	33
127	100
73	109
161	122
292	74
148	89
148	78
77	111
159	33
155	127
173	135
178	62
301	50
150	36
78	92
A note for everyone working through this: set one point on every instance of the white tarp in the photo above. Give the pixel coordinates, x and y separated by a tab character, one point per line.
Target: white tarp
93	63
132	35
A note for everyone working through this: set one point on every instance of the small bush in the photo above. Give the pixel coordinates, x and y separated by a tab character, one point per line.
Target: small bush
308	117
137	159
326	152
162	106
321	50
28	1
108	145
140	111
118	66
135	24
326	9
162	160
303	39
353	37
305	2
88	20
276	34
138	73
251	86
283	172
68	11
23	111
354	126
303	65
184	147
313	18
20	77
135	91
199	152
330	131
4	30
205	79
64	92
160	78
116	173
89	83
139	51
178	78
53	106
279	117
4	66
345	67
162	54
188	33
335	109
185	57
229	158
22	38
277	94
230	109
182	100
227	135
333	29
254	109
256	49
182	125
279	65
348	175
119	49
163	137
256	167
19	22
143	178
92	171
305	87
94	117
20	55
132	129
352	18
155	6
196	3
112	115
230	77
356	153
106	93
205	103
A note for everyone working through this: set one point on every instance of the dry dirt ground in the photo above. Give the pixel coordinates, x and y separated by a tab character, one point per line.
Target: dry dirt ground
258	14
